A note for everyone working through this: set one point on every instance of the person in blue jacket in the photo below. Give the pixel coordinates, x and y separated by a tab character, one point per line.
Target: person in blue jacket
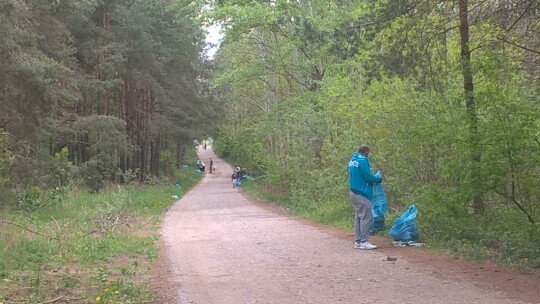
361	182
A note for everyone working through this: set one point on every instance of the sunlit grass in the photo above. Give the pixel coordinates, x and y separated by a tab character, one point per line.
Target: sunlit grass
113	231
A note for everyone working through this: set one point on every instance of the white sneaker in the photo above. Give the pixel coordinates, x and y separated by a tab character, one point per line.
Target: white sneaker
364	246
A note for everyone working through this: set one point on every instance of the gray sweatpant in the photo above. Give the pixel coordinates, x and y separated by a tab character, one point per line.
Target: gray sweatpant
362	217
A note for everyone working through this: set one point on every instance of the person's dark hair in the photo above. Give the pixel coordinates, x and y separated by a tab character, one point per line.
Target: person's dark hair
363	149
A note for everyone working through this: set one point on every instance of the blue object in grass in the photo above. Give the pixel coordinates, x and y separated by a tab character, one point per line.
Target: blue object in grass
404	228
238	183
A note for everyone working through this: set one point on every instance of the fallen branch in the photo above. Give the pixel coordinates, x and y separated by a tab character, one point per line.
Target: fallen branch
115	224
52	301
46	302
57	225
21	226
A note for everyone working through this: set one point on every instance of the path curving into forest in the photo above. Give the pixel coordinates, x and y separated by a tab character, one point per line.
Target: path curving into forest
226	248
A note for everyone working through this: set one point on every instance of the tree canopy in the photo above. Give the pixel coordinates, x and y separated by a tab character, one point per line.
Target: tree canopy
112	84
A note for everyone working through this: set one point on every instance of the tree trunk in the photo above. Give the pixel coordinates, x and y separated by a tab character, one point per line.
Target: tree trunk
178	154
468	86
154	156
142	162
122	105
106	19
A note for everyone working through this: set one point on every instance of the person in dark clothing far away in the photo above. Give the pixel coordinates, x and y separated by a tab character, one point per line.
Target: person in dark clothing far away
234	179
361	182
211	168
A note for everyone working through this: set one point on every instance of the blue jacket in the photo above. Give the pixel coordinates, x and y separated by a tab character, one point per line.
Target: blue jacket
360	177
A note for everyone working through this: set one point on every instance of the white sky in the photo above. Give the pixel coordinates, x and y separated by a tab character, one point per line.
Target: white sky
213	40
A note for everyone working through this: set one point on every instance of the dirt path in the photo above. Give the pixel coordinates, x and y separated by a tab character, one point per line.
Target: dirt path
224	248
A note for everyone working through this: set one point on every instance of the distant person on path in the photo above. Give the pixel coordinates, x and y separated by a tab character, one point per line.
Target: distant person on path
211	169
234	179
361	192
198	164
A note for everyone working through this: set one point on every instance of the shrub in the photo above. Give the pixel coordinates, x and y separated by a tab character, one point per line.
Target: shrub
31	199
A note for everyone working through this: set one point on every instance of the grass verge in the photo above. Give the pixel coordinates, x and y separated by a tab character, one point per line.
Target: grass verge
86	248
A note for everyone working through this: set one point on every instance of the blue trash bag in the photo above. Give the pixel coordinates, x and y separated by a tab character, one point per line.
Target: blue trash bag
379	202
378	208
404	228
238	183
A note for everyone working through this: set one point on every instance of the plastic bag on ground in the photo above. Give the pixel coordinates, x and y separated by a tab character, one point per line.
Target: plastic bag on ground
378	208
404	228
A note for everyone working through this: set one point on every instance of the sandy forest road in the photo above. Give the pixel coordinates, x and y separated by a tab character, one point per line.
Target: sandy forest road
223	248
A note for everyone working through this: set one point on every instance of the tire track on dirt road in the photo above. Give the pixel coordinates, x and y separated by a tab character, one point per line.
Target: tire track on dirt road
224	248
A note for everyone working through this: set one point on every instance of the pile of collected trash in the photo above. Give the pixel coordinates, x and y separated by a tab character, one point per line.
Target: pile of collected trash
404	230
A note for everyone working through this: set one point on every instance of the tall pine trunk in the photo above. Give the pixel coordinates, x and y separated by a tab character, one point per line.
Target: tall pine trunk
180	153
470	103
106	19
155	156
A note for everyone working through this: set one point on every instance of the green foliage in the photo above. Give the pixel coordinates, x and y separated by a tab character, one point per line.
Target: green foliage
120	291
87	231
310	81
129	176
62	166
4	160
31	199
509	240
93	174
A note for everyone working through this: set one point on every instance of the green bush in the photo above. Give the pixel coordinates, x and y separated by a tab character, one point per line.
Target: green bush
31	199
